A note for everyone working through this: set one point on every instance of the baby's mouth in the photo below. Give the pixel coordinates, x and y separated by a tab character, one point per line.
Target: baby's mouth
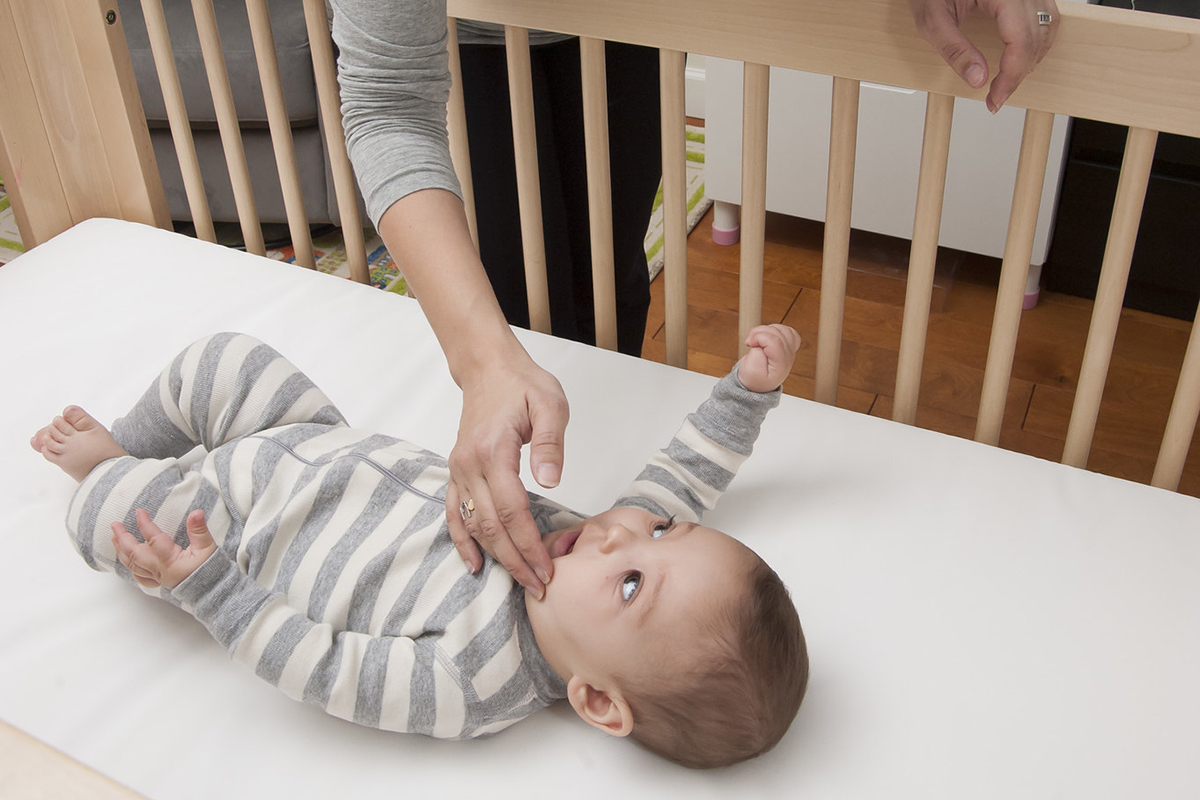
565	543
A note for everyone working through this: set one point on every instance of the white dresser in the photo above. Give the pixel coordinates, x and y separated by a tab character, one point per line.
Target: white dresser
979	182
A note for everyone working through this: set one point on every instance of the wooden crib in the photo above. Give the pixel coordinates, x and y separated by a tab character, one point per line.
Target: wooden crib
88	154
1030	648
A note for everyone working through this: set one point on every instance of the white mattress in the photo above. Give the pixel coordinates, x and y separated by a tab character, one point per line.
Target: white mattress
980	623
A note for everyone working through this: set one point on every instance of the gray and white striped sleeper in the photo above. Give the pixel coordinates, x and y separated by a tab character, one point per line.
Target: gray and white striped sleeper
336	579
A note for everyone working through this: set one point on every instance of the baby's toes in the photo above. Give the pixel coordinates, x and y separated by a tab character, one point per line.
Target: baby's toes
78	419
47	441
60	429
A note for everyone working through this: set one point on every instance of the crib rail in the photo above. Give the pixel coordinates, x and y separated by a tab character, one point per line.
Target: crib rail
1128	68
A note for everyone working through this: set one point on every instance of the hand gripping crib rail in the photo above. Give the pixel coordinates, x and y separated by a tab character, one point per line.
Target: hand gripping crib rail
88	154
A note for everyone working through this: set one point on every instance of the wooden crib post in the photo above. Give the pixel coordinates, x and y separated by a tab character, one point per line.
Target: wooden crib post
671	65
931	189
835	253
1014	269
176	107
529	193
599	188
1110	294
75	141
344	185
281	131
227	124
755	104
456	127
1181	424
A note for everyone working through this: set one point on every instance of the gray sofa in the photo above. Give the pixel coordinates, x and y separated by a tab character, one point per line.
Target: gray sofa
296	70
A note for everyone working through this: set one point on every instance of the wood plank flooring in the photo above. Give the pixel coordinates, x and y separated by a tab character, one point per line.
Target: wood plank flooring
1137	398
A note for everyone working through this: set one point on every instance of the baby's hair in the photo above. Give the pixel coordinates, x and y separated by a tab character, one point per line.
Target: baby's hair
743	693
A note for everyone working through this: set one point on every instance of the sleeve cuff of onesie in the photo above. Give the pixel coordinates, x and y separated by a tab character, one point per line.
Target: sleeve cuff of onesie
205	578
770	399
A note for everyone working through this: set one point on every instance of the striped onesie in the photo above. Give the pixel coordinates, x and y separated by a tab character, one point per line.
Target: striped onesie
335	578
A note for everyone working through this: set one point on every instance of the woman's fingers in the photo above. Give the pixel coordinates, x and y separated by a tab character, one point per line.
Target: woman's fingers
1026	42
548	417
456	520
487	506
1019	23
493	516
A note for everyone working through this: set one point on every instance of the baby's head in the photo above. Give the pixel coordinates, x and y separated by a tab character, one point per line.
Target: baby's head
674	633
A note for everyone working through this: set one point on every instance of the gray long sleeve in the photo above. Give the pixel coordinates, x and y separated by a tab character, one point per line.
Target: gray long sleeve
395	79
686	478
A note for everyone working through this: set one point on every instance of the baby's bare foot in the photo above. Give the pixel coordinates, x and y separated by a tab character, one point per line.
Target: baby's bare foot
76	443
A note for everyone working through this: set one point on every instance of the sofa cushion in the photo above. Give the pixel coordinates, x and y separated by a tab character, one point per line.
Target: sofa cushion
291	45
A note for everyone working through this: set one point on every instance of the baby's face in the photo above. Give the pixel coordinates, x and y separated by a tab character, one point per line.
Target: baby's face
630	590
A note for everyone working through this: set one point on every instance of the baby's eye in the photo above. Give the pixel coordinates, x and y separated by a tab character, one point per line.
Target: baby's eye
661	527
630	584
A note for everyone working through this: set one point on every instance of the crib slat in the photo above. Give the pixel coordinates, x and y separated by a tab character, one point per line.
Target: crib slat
181	130
931	186
345	187
756	82
835	259
529	195
1181	424
674	205
1114	274
1014	270
281	131
227	123
456	125
595	134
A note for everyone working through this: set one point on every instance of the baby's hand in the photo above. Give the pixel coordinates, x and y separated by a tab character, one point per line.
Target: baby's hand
772	352
159	561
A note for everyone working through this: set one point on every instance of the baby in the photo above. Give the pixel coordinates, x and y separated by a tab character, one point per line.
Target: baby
320	556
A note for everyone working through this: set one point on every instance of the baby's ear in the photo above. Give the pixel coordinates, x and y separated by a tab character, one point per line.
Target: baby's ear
607	711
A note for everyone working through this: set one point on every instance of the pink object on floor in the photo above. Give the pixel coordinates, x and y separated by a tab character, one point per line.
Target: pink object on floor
1031	299
725	237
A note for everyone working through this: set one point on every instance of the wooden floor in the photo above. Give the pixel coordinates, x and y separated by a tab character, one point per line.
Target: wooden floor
1137	398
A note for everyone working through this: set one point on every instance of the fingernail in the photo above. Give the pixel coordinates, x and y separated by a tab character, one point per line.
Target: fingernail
548	475
543	575
976	75
537	593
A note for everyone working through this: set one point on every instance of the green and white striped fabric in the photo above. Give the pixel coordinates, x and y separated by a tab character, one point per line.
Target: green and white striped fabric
697	202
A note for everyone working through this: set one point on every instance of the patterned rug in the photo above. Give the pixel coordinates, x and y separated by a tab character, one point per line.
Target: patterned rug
330	250
697	202
10	237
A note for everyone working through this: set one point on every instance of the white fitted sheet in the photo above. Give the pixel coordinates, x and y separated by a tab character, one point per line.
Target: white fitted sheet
980	623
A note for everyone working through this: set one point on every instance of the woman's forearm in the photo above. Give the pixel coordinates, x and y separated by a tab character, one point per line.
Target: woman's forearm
508	400
444	273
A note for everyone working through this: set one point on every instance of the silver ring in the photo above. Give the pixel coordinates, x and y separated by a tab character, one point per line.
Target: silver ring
1045	18
465	508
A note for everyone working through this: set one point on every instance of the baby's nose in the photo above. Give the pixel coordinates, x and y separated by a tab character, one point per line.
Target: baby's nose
615	537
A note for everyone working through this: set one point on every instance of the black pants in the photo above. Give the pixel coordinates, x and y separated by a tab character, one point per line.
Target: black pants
635	155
